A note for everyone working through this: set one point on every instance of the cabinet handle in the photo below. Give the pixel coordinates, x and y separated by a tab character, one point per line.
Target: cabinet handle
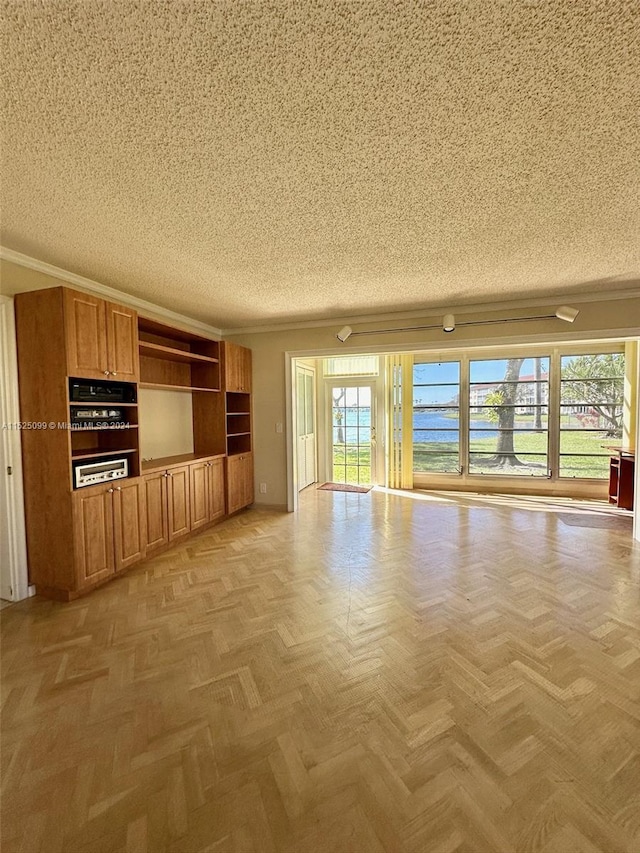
118	488
113	373
110	491
166	474
106	372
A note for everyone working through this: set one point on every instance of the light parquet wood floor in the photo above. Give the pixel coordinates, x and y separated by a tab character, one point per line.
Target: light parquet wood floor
375	673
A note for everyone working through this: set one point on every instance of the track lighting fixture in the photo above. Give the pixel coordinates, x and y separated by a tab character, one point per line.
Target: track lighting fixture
564	312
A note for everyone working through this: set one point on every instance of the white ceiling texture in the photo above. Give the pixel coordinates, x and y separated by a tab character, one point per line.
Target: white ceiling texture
264	161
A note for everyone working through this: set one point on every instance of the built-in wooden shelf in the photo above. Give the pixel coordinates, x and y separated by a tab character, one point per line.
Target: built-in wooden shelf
248	432
189	388
86	453
148	466
92	404
233	414
119	428
171	354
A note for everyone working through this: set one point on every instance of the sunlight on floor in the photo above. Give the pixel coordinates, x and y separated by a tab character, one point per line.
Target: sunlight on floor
534	503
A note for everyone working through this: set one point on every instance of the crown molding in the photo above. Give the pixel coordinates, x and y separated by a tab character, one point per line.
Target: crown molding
436	314
148	309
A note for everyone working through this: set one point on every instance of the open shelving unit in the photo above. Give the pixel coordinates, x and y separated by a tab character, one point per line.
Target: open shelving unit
238	422
177	360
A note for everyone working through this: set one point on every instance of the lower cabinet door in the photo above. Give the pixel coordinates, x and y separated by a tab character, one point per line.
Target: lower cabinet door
247	479
199	494
178	502
93	535
239	481
129	523
156	514
216	489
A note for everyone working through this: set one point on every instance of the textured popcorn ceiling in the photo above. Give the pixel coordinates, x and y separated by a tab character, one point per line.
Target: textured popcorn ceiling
247	162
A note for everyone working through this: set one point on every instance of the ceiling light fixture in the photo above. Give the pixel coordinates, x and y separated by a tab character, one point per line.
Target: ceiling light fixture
564	312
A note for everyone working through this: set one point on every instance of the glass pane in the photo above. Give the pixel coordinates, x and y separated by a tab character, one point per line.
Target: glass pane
592	390
352	365
436	416
603	418
601	366
438	462
517	369
524	417
300	404
352	434
525	465
308	400
428	373
585	466
507	441
436	440
581	442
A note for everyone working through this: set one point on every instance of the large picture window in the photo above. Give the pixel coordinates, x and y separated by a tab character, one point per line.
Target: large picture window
591	393
529	414
509	416
436	417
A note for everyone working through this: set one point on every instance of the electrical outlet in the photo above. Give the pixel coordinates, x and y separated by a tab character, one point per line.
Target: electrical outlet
278	427
263	488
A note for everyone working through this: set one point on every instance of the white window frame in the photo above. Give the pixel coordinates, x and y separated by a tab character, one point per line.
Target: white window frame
517	483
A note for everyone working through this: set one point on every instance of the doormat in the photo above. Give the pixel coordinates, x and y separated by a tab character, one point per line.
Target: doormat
344	487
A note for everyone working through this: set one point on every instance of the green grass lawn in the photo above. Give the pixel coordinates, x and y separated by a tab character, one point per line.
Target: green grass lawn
441	457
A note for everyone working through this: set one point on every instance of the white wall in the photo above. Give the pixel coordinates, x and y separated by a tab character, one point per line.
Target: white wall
599	320
166	423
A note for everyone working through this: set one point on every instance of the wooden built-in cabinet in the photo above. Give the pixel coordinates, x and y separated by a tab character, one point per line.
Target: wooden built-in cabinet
239	481
181	498
238	425
207	491
109	530
79	537
101	337
157	510
237	368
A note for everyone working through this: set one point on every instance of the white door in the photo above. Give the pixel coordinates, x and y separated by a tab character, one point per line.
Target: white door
306	429
353	433
13	557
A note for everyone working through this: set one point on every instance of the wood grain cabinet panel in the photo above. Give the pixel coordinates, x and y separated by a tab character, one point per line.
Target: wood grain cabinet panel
216	489
122	342
156	510
237	367
178	502
93	536
101	337
239	481
109	530
86	335
199	494
129	523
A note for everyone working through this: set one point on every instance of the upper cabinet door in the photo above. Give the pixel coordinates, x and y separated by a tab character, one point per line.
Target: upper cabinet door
86	336
237	367
122	342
